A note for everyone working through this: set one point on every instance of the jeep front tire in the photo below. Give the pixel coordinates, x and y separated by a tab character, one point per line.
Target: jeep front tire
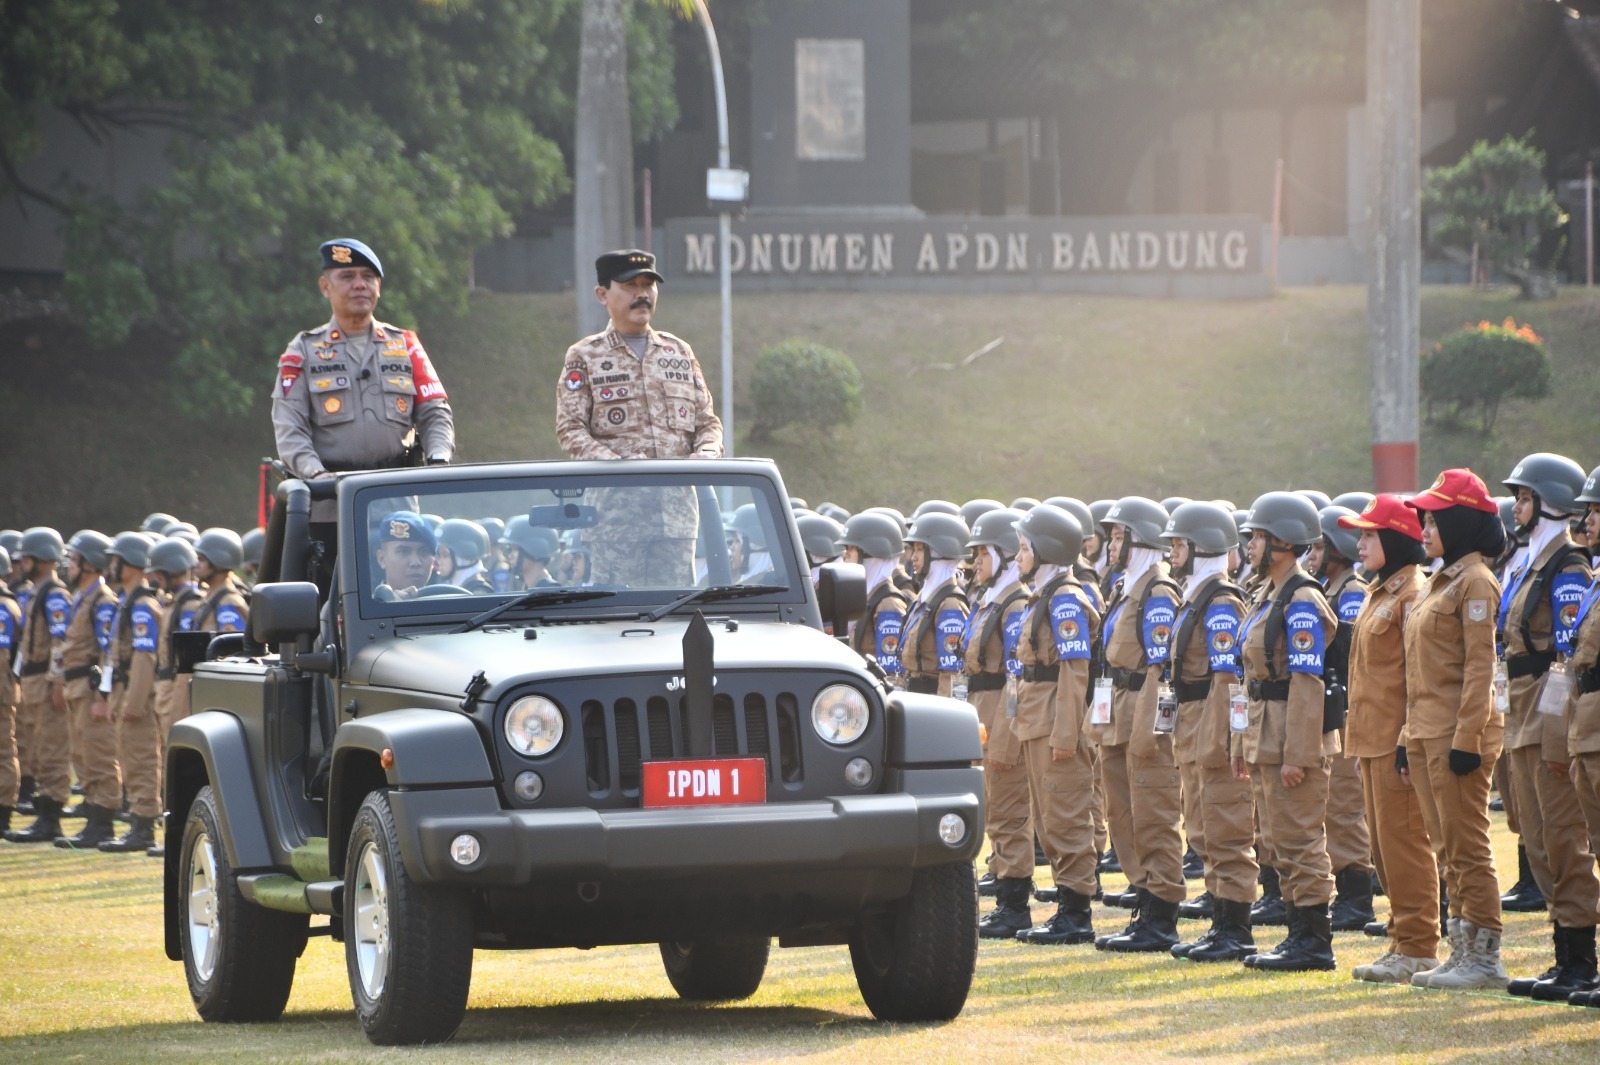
915	961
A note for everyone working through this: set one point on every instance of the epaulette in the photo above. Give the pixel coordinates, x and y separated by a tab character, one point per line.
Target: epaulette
323	328
1454	569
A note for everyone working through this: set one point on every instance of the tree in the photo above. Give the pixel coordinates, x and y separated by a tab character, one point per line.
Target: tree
1482	366
801	383
425	127
1494	201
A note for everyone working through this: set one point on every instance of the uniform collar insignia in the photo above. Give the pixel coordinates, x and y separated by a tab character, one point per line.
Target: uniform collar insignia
1456	568
1396	582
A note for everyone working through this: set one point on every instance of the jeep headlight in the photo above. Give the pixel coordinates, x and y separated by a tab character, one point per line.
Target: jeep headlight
840	714
534	726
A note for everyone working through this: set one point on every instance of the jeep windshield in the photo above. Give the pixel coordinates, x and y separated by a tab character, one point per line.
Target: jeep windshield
629	542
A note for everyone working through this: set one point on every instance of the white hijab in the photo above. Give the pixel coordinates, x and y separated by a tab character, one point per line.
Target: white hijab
1204	569
879	570
1140	560
939	571
1007	577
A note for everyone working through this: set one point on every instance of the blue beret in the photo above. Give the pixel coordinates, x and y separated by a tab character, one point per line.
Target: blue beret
345	252
409	526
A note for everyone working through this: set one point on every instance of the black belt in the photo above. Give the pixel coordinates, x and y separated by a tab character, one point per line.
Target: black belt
79	672
1192	691
33	669
394	463
986	682
1271	691
923	685
1046	673
168	673
1128	680
1589	680
1533	664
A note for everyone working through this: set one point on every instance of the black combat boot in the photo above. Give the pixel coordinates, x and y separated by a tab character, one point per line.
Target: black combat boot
1199	908
1039	857
1269	908
5	819
27	791
1193	867
1352	906
1291	919
1108	861
1157	933
97	829
1046	895
1070	924
987	884
1579	974
1122	900
1010	914
1229	938
1377	886
1378	929
1523	986
46	823
1182	950
1524	896
140	837
1310	951
1133	922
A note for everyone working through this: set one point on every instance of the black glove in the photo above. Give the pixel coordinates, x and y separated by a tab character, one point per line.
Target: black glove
1464	762
1400	763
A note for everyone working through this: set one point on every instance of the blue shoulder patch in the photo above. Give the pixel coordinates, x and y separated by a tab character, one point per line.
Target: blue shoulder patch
230	618
949	627
1071	627
1159	614
1096	600
886	635
1011	635
58	612
8	629
186	619
1222	638
1307	638
104	616
145	625
1566	593
1350	601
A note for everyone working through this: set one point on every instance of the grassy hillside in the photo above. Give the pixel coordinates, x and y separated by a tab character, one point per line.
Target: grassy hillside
1092	396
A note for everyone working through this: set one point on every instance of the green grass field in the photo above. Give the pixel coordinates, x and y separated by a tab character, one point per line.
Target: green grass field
1087	395
83	978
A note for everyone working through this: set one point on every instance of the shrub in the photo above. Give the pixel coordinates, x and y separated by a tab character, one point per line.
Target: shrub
801	383
1481	365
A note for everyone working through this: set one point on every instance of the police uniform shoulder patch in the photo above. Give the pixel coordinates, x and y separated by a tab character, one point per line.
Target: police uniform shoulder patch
1477	609
1306	636
230	618
1159	614
573	379
145	625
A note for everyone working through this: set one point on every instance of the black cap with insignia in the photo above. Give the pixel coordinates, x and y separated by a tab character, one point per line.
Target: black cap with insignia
625	266
346	252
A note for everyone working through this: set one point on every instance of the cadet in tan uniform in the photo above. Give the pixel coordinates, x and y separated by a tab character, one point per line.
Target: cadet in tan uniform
874	541
76	675
1218	811
172	565
1537	622
1583	726
1453	733
224	608
130	667
10	695
1390	549
352	393
45	736
1288	744
989	659
1132	714
1332	560
1054	647
930	652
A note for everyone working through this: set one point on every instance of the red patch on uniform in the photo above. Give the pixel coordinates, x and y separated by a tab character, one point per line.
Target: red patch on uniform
429	387
1222	641
1569	615
891	644
605	393
1068	629
1303	641
574	380
1160	634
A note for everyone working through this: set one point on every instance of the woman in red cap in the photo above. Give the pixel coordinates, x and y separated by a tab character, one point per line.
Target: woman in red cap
1391	551
1454	730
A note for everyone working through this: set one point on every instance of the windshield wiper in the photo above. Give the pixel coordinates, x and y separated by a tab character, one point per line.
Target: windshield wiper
706	595
535	596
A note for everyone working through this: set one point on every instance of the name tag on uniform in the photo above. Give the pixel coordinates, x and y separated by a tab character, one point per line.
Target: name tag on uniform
1238	708
1100	705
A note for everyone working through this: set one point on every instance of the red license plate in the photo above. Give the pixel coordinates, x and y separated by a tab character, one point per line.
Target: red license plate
705	782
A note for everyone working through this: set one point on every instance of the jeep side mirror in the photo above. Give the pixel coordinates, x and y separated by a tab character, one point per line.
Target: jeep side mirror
282	613
841	594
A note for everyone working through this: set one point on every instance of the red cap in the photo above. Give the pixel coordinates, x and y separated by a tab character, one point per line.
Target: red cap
1455	488
1386	511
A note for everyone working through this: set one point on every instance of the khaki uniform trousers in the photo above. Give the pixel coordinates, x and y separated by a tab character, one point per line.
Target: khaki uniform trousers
1118	806
1006	818
1587	770
1220	818
10	771
1456	813
97	753
172	706
1556	838
1292	831
1349	836
1155	809
1507	789
139	756
1102	832
49	739
1402	855
1060	795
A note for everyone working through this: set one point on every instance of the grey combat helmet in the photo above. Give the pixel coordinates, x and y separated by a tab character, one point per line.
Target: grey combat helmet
535	541
252	544
935	506
1555	479
184	531
894	515
797	503
1591	488
1207	526
43	543
1172	503
1319	499
945	534
820	535
1145	520
172	556
1100	508
747	523
1056	536
11	540
157	523
834	511
133	548
997	529
1024	503
494	527
221	547
1356	501
467	540
974	507
1344	541
1288	516
93	547
5	562
1078	509
874	534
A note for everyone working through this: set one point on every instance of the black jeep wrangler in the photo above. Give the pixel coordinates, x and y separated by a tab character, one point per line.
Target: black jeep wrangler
645	736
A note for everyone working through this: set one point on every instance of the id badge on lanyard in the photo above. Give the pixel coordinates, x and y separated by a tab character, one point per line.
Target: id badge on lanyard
1238	708
1011	695
1166	710
958	687
1556	691
1100	705
1502	687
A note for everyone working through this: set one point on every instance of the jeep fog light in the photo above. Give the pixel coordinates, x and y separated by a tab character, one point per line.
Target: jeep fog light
952	829
839	714
465	849
534	726
528	786
858	772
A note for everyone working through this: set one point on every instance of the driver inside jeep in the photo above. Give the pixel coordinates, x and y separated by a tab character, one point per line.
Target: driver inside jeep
405	549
